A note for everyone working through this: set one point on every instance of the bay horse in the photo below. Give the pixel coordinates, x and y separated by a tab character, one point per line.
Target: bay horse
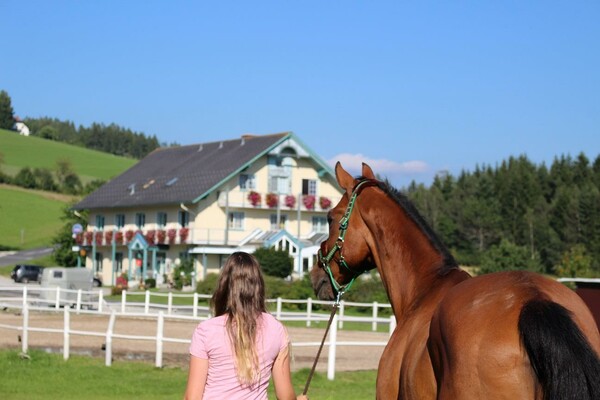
507	335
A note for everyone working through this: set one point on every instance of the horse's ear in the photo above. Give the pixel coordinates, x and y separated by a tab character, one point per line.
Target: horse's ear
345	180
367	172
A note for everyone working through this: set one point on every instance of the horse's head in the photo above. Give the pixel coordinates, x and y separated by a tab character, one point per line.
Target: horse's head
345	254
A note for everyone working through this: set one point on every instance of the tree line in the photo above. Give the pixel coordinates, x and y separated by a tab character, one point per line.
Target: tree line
111	138
519	215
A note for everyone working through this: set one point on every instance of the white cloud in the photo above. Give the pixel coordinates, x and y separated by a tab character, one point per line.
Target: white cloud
353	164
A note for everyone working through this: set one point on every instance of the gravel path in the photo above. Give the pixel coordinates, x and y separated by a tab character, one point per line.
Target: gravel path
348	358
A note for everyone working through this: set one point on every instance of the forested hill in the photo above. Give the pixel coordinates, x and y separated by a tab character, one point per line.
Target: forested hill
111	138
519	215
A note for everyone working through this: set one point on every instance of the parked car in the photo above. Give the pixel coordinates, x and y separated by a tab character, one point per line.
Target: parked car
26	273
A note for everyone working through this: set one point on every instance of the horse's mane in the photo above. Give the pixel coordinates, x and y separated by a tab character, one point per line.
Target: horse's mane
448	260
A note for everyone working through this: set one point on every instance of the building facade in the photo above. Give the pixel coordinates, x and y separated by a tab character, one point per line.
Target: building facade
203	202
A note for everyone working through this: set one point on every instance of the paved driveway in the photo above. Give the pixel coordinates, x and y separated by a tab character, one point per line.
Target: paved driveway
16	257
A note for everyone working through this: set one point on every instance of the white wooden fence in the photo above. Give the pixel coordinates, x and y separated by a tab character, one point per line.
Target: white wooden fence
95	304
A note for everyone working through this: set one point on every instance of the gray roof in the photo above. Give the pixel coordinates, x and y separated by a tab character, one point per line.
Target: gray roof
180	174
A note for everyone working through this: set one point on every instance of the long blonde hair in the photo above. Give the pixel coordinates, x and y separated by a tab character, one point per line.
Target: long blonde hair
240	294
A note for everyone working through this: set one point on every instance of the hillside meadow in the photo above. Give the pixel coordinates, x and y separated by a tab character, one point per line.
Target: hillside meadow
21	151
29	218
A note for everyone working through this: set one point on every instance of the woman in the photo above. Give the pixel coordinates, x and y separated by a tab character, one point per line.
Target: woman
234	354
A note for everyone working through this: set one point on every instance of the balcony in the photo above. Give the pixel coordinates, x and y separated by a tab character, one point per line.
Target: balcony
270	201
124	236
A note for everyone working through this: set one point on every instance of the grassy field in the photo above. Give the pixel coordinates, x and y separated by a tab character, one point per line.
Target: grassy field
29	218
21	151
48	376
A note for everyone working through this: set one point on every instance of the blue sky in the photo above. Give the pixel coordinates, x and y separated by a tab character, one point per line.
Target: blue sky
412	88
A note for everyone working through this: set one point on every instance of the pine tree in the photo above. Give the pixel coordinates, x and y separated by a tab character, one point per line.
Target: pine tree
7	118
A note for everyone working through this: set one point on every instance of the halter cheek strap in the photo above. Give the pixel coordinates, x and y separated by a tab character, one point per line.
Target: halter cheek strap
339	243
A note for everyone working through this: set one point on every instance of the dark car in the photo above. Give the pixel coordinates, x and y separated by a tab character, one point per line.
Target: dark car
26	273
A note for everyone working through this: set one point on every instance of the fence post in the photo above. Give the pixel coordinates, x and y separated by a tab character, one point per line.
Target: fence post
308	310
66	338
332	344
25	334
78	306
24	296
392	324
341	314
100	300
375	310
123	300
109	335
147	302
170	303
159	338
195	309
57	305
278	312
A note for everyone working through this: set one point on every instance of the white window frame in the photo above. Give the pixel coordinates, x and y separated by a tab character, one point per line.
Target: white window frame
160	223
247	182
100	222
319	224
235	220
140	220
120	221
283	219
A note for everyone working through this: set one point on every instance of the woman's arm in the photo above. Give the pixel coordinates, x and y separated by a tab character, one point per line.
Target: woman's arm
282	377
196	378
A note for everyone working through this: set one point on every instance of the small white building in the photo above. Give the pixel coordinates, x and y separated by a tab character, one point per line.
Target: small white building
21	127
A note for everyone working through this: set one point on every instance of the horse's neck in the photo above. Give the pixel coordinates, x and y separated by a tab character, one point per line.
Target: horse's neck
413	271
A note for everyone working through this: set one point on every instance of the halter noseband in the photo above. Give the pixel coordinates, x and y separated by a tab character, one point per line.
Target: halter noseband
339	243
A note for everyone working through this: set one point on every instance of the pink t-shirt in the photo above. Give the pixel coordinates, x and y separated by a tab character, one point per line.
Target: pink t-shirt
211	341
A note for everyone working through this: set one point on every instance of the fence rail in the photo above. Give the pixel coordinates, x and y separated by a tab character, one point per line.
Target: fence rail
94	303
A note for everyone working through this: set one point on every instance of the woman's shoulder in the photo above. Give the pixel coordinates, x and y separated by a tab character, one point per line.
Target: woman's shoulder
270	322
214	322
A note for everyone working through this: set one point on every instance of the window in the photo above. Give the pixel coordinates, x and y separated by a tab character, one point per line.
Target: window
140	220
100	222
120	220
184	218
161	219
282	221
247	182
236	220
319	224
118	262
309	186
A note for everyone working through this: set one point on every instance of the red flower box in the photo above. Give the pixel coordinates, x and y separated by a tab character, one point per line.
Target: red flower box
324	202
254	198
290	201
272	199
160	236
309	201
183	234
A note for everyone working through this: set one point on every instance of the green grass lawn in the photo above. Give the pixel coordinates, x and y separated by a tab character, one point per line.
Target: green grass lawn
29	218
21	151
48	376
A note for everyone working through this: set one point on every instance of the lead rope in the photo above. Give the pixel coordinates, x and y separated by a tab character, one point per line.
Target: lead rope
312	371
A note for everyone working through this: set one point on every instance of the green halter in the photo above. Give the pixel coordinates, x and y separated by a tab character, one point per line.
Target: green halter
339	243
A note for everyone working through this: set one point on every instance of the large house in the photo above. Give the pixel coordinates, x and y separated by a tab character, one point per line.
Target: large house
207	201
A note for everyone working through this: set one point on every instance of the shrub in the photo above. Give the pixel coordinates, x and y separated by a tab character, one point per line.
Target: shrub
208	285
274	262
182	274
150	283
507	256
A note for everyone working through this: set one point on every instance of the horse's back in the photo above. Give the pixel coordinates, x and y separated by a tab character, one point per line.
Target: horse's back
475	341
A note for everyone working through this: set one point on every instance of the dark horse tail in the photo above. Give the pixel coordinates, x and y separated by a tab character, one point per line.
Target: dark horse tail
566	365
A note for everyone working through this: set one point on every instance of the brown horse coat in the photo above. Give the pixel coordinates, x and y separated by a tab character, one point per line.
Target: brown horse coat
511	335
